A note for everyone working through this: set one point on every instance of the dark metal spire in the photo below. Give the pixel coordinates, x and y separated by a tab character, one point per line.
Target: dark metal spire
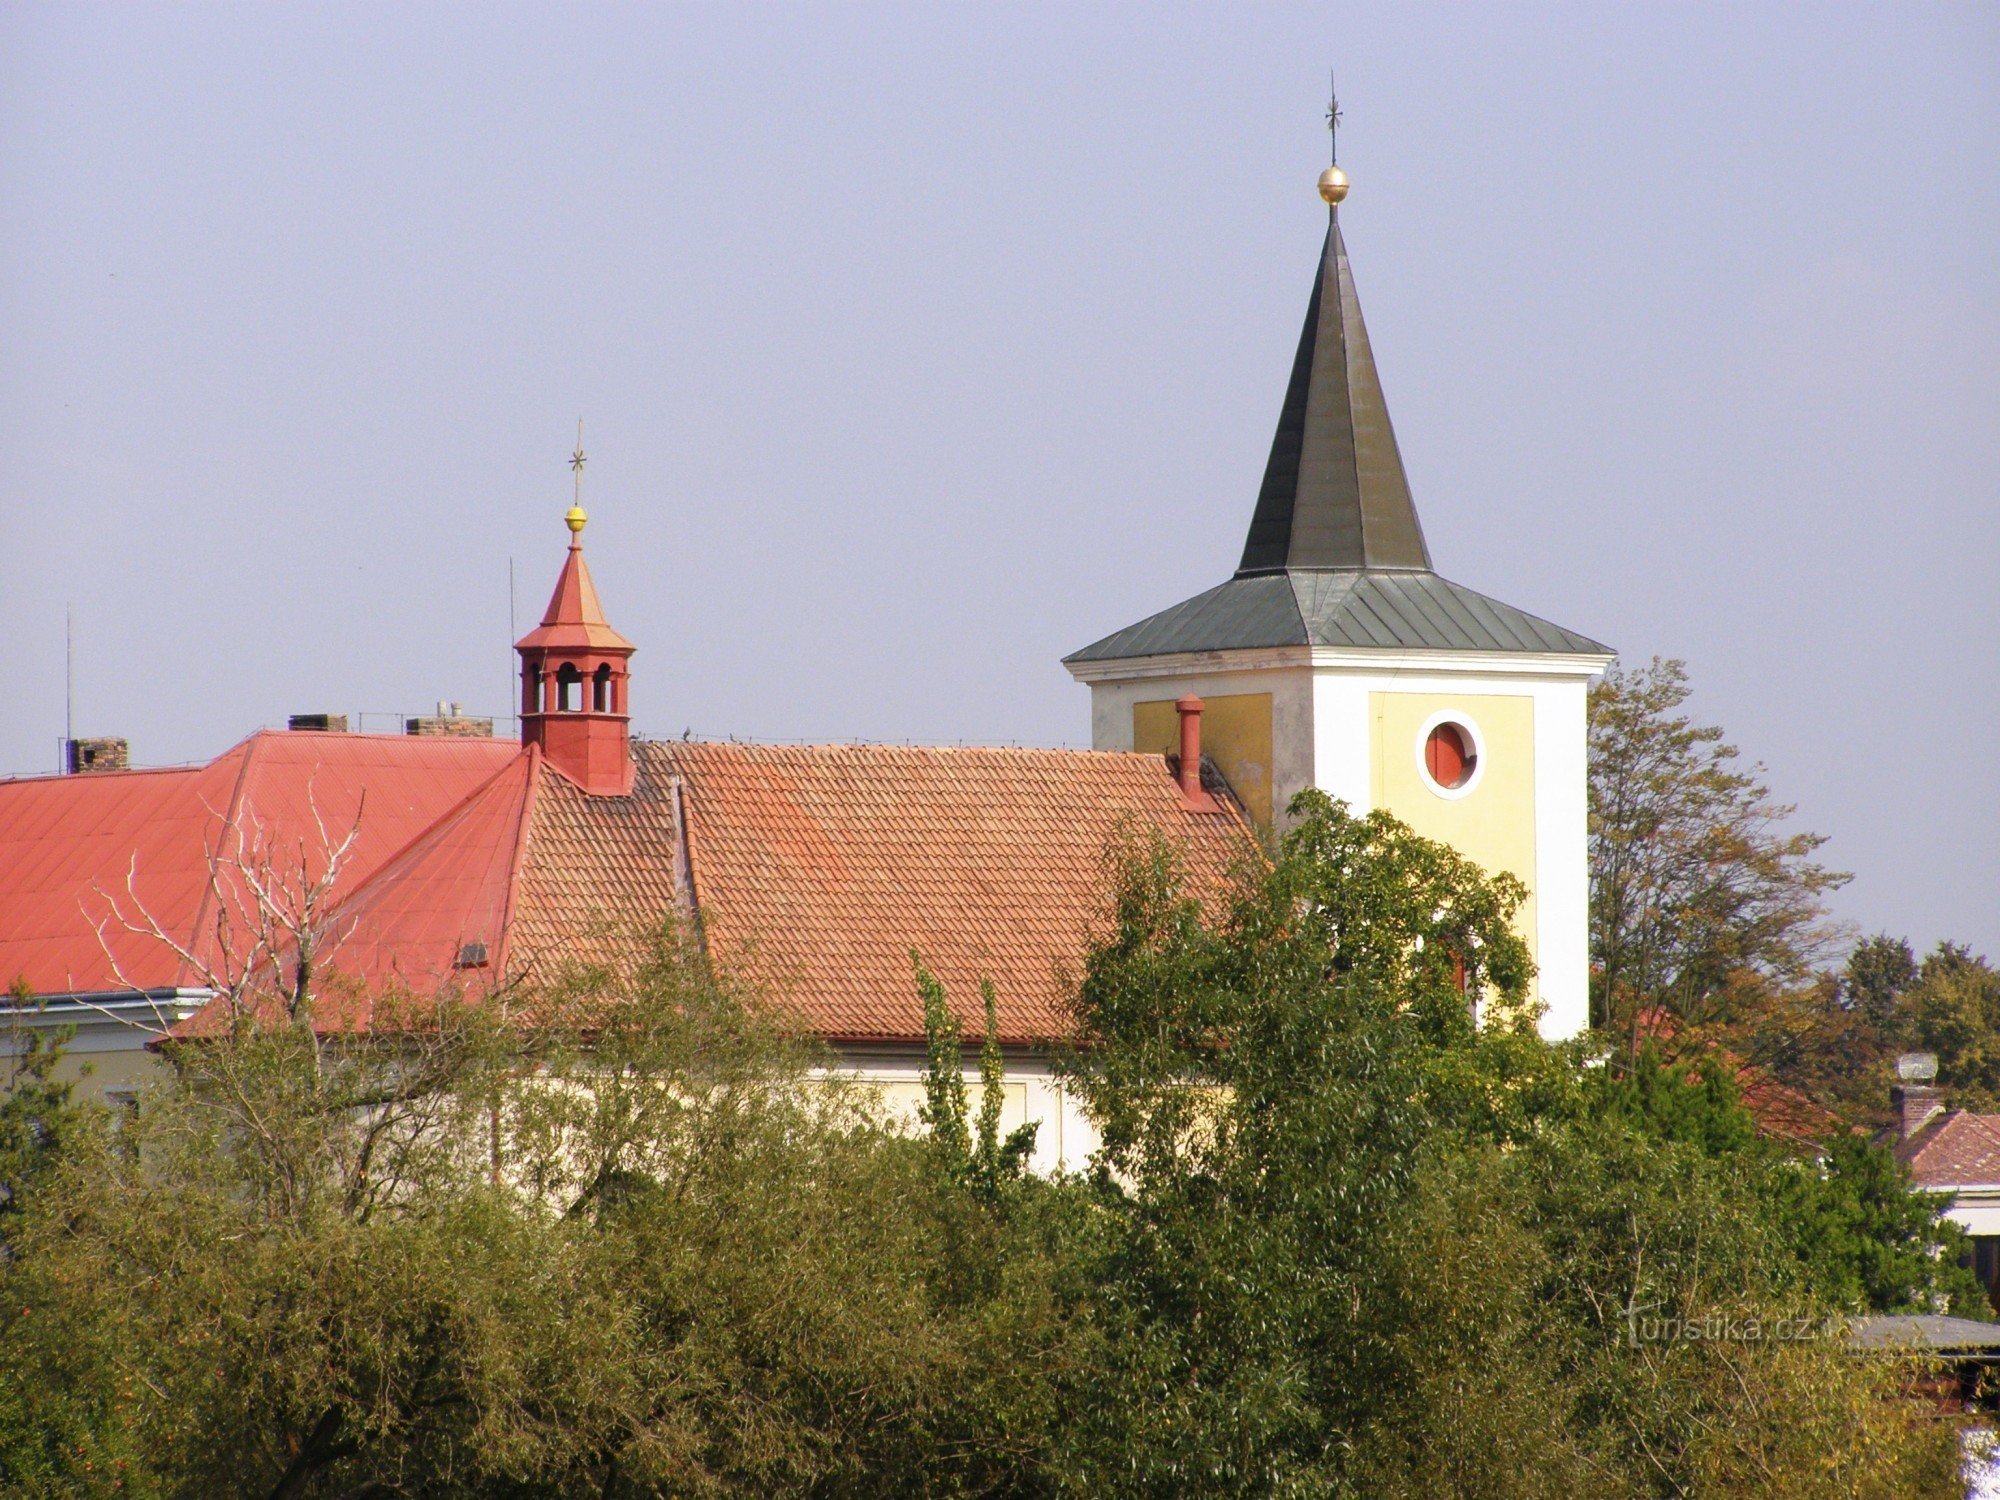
1334	494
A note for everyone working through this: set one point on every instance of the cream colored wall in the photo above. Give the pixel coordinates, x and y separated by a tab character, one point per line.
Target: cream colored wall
1235	734
1493	820
1064	1138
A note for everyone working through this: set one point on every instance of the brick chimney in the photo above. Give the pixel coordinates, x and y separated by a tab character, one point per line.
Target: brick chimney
1915	1096
1189	774
451	721
98	755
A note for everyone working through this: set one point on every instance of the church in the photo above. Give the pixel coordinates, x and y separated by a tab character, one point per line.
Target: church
1334	656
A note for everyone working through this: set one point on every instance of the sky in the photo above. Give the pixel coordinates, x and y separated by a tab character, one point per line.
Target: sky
917	346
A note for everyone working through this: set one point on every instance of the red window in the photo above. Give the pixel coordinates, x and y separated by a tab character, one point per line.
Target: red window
1449	757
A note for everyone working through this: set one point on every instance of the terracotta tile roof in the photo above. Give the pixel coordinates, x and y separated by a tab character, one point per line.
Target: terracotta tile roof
595	871
1961	1149
67	843
817	869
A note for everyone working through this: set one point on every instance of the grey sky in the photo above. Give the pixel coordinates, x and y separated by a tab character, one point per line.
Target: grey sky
918	346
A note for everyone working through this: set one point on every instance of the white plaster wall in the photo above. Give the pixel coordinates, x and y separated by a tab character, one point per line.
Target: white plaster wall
1976	1210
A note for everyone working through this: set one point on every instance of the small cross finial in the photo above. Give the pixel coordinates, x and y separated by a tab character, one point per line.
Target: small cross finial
576	517
1333	181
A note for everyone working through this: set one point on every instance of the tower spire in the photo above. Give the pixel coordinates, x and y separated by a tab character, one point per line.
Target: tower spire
1334	494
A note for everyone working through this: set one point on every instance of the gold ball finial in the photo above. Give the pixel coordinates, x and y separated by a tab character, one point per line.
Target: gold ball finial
1332	185
575	520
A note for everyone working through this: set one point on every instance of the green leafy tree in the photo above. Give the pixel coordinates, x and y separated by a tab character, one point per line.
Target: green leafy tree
1703	899
1356	1244
1953	1009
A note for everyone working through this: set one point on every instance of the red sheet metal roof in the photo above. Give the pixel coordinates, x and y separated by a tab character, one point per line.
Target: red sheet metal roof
574	619
452	888
817	869
77	851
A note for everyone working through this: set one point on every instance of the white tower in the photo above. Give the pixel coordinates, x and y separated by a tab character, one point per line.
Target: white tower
1336	657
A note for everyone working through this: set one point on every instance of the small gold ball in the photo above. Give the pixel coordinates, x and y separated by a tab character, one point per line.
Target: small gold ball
1333	184
575	520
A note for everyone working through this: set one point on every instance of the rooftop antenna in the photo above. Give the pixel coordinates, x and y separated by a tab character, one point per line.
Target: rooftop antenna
576	463
69	681
512	634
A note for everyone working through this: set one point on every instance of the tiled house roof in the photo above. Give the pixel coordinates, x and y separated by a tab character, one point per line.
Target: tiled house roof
1778	1112
1955	1150
819	868
813	871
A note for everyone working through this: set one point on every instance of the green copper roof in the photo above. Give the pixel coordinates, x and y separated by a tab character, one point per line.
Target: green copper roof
1403	610
1335	554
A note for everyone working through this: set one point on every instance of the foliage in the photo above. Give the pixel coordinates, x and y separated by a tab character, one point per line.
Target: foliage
981	1159
1863	1239
622	1233
1363	1246
1702	900
1953	1009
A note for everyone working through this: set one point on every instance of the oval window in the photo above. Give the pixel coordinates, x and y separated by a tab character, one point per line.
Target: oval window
1449	756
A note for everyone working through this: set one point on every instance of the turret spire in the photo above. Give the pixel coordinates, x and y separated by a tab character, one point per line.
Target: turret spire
1334	493
575	671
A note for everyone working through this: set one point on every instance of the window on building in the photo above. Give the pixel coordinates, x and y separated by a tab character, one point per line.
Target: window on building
600	690
569	689
1449	756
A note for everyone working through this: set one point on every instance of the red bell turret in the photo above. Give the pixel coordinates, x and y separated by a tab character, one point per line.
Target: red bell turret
573	677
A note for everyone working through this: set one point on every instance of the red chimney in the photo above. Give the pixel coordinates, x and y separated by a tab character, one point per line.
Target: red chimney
573	678
1197	800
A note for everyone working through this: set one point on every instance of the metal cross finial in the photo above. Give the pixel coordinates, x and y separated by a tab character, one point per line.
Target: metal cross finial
577	461
1333	117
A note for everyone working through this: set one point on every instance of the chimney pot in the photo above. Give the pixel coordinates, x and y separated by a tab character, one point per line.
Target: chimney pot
1189	708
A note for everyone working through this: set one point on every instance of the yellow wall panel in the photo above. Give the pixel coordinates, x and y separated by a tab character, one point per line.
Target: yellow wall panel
1235	734
1494	822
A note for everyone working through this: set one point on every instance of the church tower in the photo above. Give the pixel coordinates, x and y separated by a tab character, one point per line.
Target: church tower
574	670
1336	657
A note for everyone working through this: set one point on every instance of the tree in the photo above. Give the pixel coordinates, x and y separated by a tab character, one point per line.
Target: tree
1353	1243
1703	900
1953	1009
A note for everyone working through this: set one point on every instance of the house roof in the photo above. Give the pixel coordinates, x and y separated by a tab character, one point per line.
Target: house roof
75	851
1956	1149
812	870
816	869
1776	1111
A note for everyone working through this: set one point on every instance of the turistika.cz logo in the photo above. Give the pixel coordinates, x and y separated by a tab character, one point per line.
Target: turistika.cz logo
1645	1324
